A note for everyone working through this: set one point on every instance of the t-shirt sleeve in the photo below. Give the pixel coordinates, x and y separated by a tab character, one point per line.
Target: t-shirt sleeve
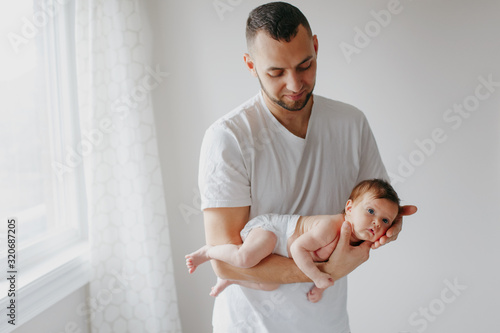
223	178
371	165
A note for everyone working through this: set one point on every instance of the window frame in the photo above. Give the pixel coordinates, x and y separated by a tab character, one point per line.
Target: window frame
56	264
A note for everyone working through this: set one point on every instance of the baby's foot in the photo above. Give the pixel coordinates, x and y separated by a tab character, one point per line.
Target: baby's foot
219	287
324	281
315	294
197	258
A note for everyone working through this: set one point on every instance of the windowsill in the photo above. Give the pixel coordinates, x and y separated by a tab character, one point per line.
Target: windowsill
43	285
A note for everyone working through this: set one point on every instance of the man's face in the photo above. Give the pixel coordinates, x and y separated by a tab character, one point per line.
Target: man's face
286	71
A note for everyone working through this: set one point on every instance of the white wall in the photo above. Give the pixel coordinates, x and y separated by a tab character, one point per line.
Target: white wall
427	59
60	318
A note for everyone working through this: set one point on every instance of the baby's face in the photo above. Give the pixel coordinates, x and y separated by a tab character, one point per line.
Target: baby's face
370	217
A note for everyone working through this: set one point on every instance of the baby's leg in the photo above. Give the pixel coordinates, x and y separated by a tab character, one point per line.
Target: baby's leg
197	258
315	294
259	244
220	286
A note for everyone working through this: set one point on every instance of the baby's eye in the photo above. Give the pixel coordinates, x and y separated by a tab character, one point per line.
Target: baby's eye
371	211
385	221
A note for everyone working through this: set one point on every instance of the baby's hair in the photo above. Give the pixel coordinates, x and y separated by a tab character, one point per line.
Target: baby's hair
380	189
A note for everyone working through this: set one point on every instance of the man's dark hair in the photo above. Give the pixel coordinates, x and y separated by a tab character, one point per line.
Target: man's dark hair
279	20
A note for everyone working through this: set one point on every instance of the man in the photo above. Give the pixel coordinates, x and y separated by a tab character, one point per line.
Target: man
285	151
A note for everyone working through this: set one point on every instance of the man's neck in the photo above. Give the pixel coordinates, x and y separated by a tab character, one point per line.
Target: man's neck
296	122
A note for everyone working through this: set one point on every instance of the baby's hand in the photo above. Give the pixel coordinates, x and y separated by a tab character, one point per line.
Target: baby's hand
324	281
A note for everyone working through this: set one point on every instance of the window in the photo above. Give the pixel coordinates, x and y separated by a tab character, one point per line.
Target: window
39	126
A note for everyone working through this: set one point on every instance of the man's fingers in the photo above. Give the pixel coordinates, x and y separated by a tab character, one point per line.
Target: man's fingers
345	235
407	210
365	247
395	229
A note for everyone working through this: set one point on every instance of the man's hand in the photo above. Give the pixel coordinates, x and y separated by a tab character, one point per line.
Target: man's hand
346	258
395	229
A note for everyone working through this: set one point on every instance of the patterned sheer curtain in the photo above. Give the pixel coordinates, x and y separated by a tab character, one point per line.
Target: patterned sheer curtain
132	286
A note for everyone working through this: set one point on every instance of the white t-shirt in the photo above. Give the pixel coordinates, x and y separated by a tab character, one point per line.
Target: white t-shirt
249	159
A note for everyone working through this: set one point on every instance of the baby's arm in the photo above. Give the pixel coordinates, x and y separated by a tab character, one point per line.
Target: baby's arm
322	234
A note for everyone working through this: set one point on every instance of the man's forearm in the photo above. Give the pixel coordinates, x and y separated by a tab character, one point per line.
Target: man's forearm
223	226
272	269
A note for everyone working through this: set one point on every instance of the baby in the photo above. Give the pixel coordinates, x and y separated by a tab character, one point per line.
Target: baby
371	209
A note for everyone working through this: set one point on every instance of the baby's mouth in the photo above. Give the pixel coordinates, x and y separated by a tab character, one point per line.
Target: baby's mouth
372	231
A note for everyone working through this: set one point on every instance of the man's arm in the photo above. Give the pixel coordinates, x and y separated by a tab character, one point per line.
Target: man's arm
223	226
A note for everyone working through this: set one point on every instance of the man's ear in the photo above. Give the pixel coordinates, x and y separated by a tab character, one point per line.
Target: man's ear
315	44
250	64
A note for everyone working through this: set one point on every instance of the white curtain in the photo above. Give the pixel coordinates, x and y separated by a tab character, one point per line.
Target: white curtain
132	286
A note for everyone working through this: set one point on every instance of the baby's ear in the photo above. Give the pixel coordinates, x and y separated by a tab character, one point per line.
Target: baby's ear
348	206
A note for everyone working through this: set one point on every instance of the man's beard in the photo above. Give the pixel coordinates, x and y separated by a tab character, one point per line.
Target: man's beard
294	106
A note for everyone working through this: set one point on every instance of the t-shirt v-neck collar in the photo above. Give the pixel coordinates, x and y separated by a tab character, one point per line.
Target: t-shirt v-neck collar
280	126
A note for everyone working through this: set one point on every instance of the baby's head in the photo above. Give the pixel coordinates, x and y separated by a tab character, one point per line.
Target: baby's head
372	207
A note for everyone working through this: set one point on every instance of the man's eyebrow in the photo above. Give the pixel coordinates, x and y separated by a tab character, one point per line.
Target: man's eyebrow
305	60
270	69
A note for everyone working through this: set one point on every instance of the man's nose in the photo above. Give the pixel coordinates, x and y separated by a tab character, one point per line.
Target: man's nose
294	82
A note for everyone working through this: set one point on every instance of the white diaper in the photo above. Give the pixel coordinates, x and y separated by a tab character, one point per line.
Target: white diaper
283	226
